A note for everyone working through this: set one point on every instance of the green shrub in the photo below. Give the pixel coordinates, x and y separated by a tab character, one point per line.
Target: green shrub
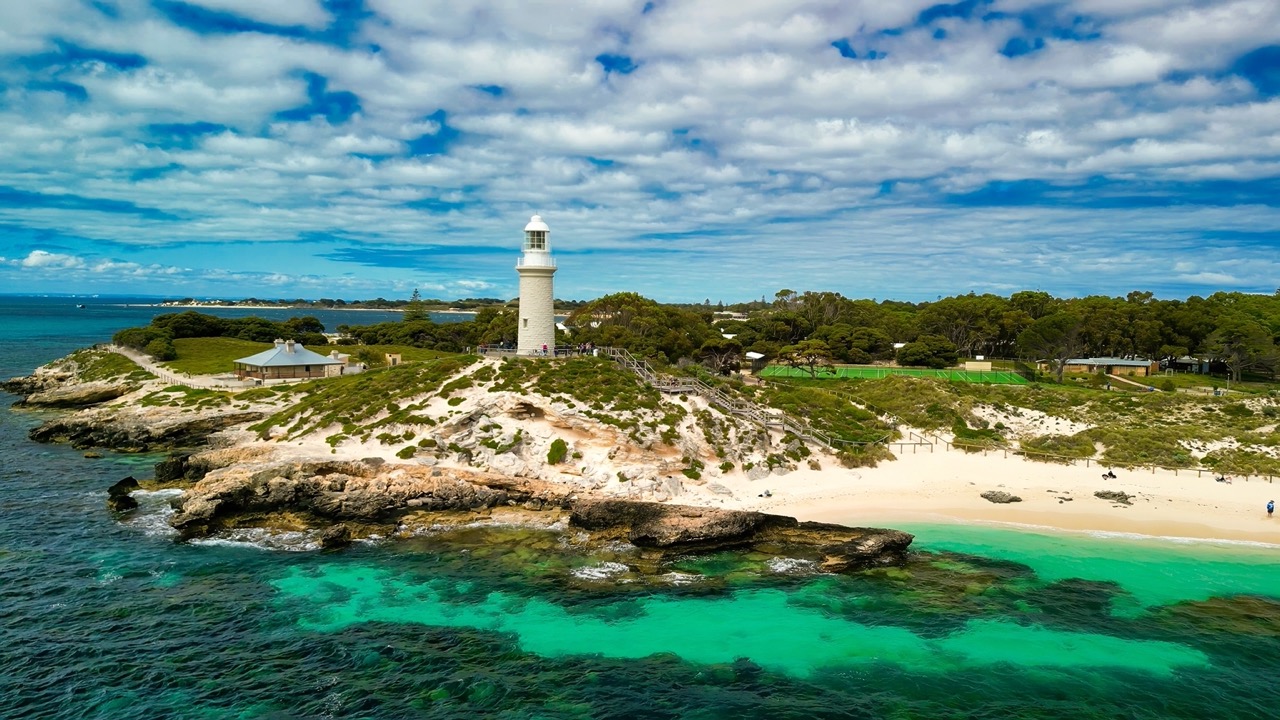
559	449
161	349
406	452
726	466
1059	448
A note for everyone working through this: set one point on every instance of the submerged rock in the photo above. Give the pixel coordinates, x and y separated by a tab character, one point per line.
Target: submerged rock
684	528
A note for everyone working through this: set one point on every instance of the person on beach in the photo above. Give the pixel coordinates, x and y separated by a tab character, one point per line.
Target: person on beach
1271	507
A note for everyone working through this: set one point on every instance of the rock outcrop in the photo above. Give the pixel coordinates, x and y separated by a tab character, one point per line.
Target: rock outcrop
1000	497
683	528
180	467
139	431
119	497
348	499
1115	496
78	395
56	386
335	491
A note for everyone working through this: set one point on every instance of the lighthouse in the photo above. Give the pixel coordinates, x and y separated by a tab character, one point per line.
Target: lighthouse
537	330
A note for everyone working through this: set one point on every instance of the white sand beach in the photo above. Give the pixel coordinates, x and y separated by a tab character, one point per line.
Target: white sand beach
946	486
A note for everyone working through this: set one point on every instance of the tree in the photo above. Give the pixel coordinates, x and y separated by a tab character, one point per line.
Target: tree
721	355
641	325
808	354
162	349
1054	338
932	351
415	311
1242	344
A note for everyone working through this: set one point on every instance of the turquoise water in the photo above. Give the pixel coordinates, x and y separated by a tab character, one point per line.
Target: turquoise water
107	616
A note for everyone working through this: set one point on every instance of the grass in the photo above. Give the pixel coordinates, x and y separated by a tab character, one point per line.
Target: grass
351	400
828	412
209	356
183	396
213	355
861	372
92	365
1134	429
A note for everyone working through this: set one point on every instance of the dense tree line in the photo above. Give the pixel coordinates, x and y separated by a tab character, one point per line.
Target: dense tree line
157	338
1240	332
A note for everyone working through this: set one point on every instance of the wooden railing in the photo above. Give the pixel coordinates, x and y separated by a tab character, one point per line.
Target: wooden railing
673	384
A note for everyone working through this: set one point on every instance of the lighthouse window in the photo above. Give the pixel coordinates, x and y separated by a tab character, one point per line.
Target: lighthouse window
537	240
526	322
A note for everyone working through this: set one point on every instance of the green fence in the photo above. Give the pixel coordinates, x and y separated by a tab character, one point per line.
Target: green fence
998	377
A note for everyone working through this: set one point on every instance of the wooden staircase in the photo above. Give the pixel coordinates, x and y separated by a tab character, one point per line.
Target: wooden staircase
734	406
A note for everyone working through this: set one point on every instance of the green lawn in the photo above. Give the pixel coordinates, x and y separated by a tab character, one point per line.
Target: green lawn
377	352
211	356
1002	377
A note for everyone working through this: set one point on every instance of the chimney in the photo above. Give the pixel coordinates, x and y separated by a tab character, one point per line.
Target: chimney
288	346
279	342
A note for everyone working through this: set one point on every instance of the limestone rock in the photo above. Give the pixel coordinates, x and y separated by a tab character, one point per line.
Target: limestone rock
1115	496
683	528
329	491
79	394
139	431
180	467
1000	497
335	537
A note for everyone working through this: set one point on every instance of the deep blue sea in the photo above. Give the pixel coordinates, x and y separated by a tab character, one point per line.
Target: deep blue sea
107	616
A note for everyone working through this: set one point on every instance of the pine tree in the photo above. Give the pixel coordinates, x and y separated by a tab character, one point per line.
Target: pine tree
415	311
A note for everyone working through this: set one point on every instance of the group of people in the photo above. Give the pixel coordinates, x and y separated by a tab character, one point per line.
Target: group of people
1109	475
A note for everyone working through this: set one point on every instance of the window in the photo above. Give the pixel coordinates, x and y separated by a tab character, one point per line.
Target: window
526	322
535	240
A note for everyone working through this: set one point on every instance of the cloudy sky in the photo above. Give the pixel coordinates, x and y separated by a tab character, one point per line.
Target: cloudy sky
687	150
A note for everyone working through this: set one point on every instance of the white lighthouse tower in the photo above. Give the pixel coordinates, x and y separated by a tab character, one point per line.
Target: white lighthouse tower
536	267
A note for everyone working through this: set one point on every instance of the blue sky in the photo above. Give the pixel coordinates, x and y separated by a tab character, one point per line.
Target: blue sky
683	150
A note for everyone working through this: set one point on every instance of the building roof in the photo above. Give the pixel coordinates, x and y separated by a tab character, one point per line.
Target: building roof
288	354
535	223
1110	361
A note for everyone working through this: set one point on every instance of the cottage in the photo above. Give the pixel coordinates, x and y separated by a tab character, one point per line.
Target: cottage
287	360
1113	366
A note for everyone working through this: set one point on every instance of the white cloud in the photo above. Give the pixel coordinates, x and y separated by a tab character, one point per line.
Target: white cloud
308	13
43	259
741	131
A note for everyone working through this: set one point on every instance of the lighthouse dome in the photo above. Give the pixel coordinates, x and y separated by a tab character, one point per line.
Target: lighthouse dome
535	223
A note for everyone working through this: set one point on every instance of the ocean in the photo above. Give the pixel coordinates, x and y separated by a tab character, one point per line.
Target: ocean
108	616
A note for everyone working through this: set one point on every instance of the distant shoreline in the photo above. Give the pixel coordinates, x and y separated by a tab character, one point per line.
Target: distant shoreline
204	306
